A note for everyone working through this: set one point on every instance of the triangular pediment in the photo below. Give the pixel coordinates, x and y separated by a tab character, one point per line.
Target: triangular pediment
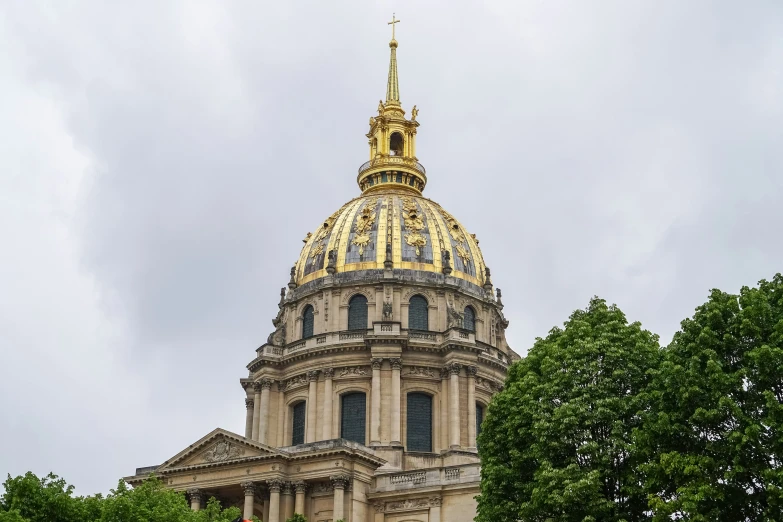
218	447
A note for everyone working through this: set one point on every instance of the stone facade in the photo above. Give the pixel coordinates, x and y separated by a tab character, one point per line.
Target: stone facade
343	338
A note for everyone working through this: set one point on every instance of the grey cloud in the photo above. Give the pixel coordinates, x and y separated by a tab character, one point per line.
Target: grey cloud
178	153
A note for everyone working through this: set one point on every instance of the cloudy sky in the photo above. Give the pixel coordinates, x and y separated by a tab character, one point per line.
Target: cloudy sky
160	163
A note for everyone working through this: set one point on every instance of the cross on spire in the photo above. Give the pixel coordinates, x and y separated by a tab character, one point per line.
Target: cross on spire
394	21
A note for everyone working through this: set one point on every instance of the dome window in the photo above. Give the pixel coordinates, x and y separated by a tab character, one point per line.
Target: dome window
308	321
353	417
418	313
469	319
419	422
298	423
396	144
357	313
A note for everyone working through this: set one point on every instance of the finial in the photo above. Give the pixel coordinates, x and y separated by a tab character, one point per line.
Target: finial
292	281
282	297
446	262
414	113
500	303
388	264
487	280
331	267
393	23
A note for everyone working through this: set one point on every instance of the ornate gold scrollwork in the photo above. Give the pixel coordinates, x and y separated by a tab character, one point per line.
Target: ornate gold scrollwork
364	223
413	224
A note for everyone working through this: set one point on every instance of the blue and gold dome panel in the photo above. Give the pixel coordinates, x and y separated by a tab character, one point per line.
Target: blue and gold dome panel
418	230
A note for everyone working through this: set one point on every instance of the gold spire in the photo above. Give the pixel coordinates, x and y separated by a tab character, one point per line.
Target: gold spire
393	85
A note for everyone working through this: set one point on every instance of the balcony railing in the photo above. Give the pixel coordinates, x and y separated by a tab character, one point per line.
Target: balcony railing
392	161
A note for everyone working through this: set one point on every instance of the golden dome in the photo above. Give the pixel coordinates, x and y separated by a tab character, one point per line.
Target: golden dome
419	231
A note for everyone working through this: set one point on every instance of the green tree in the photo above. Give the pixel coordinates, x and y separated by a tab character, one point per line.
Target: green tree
714	442
556	442
47	499
297	518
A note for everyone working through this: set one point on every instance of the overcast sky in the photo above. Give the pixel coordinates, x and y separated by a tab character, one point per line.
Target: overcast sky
160	163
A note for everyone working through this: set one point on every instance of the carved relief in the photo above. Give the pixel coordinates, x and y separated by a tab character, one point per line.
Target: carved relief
223	450
407	504
353	370
387	310
420	370
295	381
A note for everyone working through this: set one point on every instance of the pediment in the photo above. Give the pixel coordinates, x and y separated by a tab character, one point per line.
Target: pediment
218	447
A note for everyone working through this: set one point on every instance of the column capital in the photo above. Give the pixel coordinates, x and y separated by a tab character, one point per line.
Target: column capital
472	371
454	368
274	485
195	494
376	363
396	363
265	384
312	375
435	501
249	404
300	486
444	372
257	386
249	487
340	481
328	373
287	488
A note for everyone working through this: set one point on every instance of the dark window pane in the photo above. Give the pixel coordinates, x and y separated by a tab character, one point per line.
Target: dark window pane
307	322
418	313
357	313
384	178
298	430
419	422
469	321
399	178
353	413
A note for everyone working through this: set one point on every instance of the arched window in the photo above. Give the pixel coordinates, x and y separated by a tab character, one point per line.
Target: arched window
419	433
418	313
357	313
469	319
396	142
353	413
298	423
307	322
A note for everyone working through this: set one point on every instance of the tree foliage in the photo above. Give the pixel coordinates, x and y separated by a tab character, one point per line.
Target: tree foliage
28	498
714	442
556	442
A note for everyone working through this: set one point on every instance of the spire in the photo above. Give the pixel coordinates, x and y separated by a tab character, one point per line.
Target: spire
393	85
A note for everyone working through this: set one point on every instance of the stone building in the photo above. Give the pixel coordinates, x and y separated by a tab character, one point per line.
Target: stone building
365	402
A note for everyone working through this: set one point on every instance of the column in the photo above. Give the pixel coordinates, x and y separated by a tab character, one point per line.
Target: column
249	418
396	365
263	424
250	495
256	409
454	439
287	499
274	486
280	413
301	488
195	498
312	409
375	401
328	407
339	483
471	371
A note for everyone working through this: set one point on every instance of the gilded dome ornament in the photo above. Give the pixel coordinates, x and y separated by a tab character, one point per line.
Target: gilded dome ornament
463	254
